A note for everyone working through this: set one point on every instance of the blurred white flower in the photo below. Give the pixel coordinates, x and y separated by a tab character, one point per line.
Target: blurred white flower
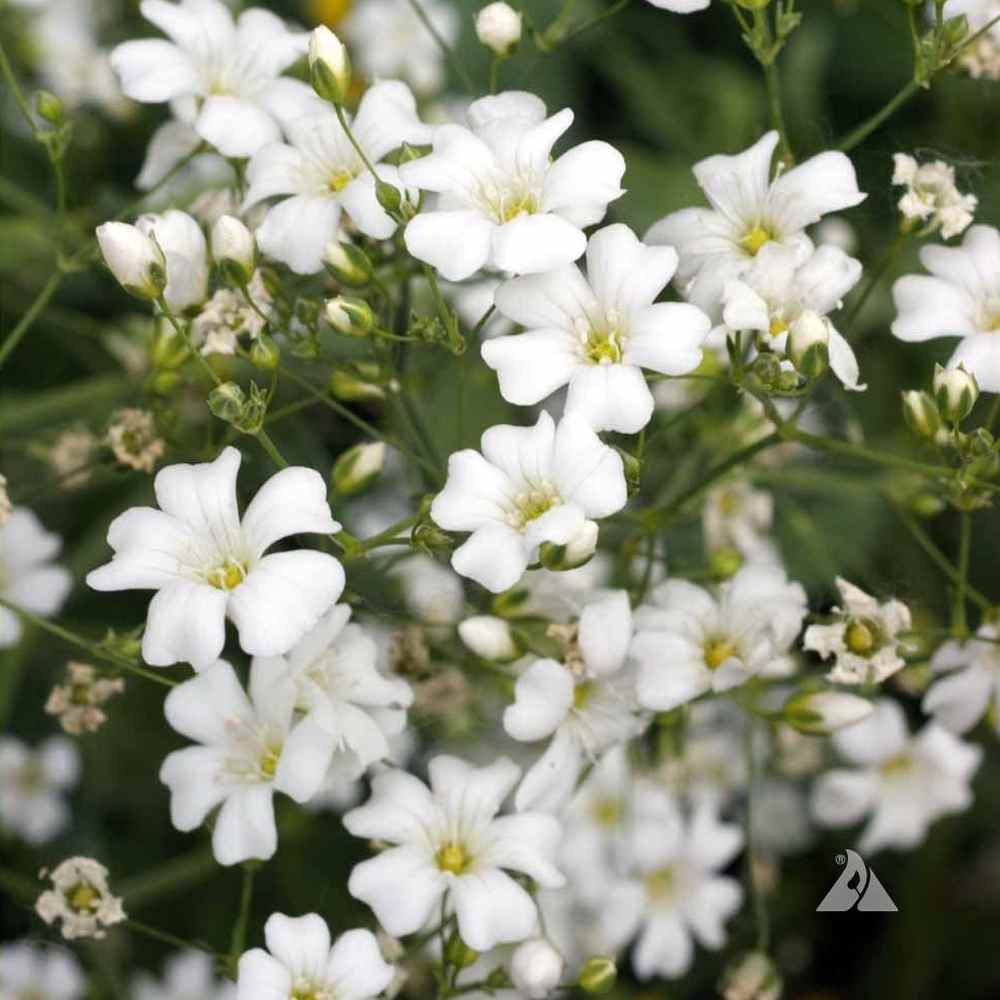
903	782
736	516
748	211
206	563
503	203
187	975
447	841
432	591
970	689
529	486
76	701
498	27
39	972
489	637
33	783
536	967
931	196
597	332
80	899
981	59
227	316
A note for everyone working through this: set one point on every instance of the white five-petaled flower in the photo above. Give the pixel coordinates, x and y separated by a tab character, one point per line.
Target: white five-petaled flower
324	175
300	963
28	970
903	782
779	288
248	748
28	576
862	637
586	704
971	688
597	332
529	486
187	975
675	894
206	563
749	211
448	842
689	642
337	685
959	298
32	785
502	202
221	76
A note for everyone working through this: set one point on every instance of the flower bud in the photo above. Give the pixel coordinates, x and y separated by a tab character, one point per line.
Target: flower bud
352	317
226	401
752	976
388	196
234	250
808	345
358	467
598	975
349	388
134	258
498	27
577	551
265	353
819	713
921	413
50	107
535	967
458	953
955	391
725	562
329	65
489	637
348	264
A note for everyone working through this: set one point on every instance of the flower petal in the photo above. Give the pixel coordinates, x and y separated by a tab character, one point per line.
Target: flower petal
377	882
533	243
455	243
292	502
297	230
235	127
611	397
244	828
542	697
491	909
186	623
357	967
301	944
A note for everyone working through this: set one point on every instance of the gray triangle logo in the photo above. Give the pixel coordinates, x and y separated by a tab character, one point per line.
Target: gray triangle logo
857	888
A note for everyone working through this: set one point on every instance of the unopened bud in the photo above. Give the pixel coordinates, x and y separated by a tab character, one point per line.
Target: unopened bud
819	713
234	250
576	552
428	535
388	196
135	259
348	264
489	637
457	953
350	388
921	413
352	317
358	467
498	27
536	968
955	30
752	976
169	348
598	975
50	107
725	562
955	391
227	401
329	65
265	353
808	345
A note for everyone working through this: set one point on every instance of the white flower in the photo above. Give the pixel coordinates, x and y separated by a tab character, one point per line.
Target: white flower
220	76
247	749
187	975
498	27
782	287
536	968
227	316
862	638
689	642
959	298
736	516
322	172
388	39
28	576
80	898
931	195
530	485
982	58
596	333
489	637
300	962
28	970
823	712
676	895
206	563
749	210
233	245
903	782
32	785
448	842
183	245
431	591
971	689
585	704
338	687
503	203
76	702
133	258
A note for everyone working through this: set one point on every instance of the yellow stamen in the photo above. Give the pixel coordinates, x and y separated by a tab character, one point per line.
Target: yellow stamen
755	238
717	651
453	858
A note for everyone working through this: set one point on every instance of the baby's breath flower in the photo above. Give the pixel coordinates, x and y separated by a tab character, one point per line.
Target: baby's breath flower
227	316
75	702
70	456
931	196
81	898
133	439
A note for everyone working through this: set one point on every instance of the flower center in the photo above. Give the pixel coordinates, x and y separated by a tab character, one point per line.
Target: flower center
227	576
83	898
863	636
302	990
898	765
340	179
512	206
607	812
582	693
717	651
453	857
661	883
778	327
532	504
755	238
990	322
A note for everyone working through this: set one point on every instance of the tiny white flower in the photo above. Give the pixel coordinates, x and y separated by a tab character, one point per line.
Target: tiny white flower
187	975
134	259
489	637
689	641
529	486
448	842
498	27
736	516
33	783
584	705
227	316
29	578
321	172
862	637
221	76
931	196
37	972
596	333
903	782
536	968
970	689
431	591
233	245
748	211
206	563
959	298
80	899
185	250
300	962
503	203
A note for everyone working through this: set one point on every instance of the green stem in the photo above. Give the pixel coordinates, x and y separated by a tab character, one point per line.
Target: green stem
182	330
238	941
34	311
449	53
865	129
388	537
166	938
877	273
959	621
596	20
775	109
342	118
271	448
7	71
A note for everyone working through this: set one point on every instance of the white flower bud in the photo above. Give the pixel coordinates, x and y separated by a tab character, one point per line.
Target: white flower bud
536	967
577	551
329	65
358	467
347	263
752	976
352	317
808	345
488	637
498	27
921	413
234	249
955	391
822	712
134	258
